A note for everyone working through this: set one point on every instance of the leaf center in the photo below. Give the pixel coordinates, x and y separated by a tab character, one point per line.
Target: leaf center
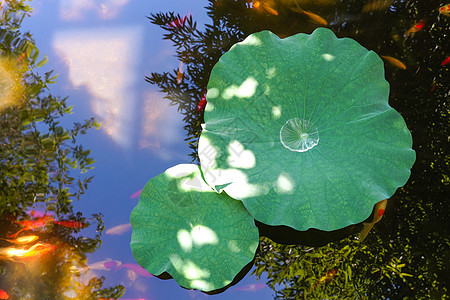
299	135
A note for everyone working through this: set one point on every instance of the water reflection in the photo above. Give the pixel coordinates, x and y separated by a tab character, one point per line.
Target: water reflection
104	61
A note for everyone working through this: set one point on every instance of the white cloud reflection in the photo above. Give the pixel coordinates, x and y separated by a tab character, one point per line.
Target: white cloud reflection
76	10
104	61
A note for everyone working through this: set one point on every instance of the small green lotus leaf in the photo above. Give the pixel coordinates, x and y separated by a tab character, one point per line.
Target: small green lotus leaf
182	227
301	131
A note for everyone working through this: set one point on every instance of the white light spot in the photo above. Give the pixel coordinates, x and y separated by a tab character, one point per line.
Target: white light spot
212	93
233	246
181	170
185	240
202	235
229	92
192	271
270	73
209	107
327	57
252	41
247	88
276	111
207	154
240	158
202	285
285	183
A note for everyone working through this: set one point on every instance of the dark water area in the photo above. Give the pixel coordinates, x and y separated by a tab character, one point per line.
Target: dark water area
141	70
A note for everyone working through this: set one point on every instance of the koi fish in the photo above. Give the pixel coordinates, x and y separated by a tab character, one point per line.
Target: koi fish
325	278
136	194
22	240
445	61
106	265
377	215
179	22
71	224
3	294
393	61
445	10
41	250
136	268
376	5
415	28
31	224
23	253
119	229
180	72
312	16
201	105
267	8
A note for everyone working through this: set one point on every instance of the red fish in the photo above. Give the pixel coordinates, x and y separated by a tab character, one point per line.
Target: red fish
179	22
3	294
325	278
31	224
201	105
415	28
445	61
445	10
71	224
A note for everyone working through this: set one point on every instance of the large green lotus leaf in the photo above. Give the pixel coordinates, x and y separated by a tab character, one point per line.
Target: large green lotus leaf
183	227
301	131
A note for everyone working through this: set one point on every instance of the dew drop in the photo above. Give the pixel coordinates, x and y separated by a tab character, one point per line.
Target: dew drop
299	135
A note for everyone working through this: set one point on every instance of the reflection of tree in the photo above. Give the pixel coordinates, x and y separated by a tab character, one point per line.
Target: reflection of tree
38	158
407	251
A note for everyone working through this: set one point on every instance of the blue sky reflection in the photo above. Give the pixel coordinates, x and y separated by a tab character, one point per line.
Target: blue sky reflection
102	51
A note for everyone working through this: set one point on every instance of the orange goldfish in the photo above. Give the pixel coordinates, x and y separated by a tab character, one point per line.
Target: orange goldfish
22	240
376	5
325	278
312	16
37	250
415	28
445	10
71	224
393	61
3	294
31	224
267	8
180	72
377	215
